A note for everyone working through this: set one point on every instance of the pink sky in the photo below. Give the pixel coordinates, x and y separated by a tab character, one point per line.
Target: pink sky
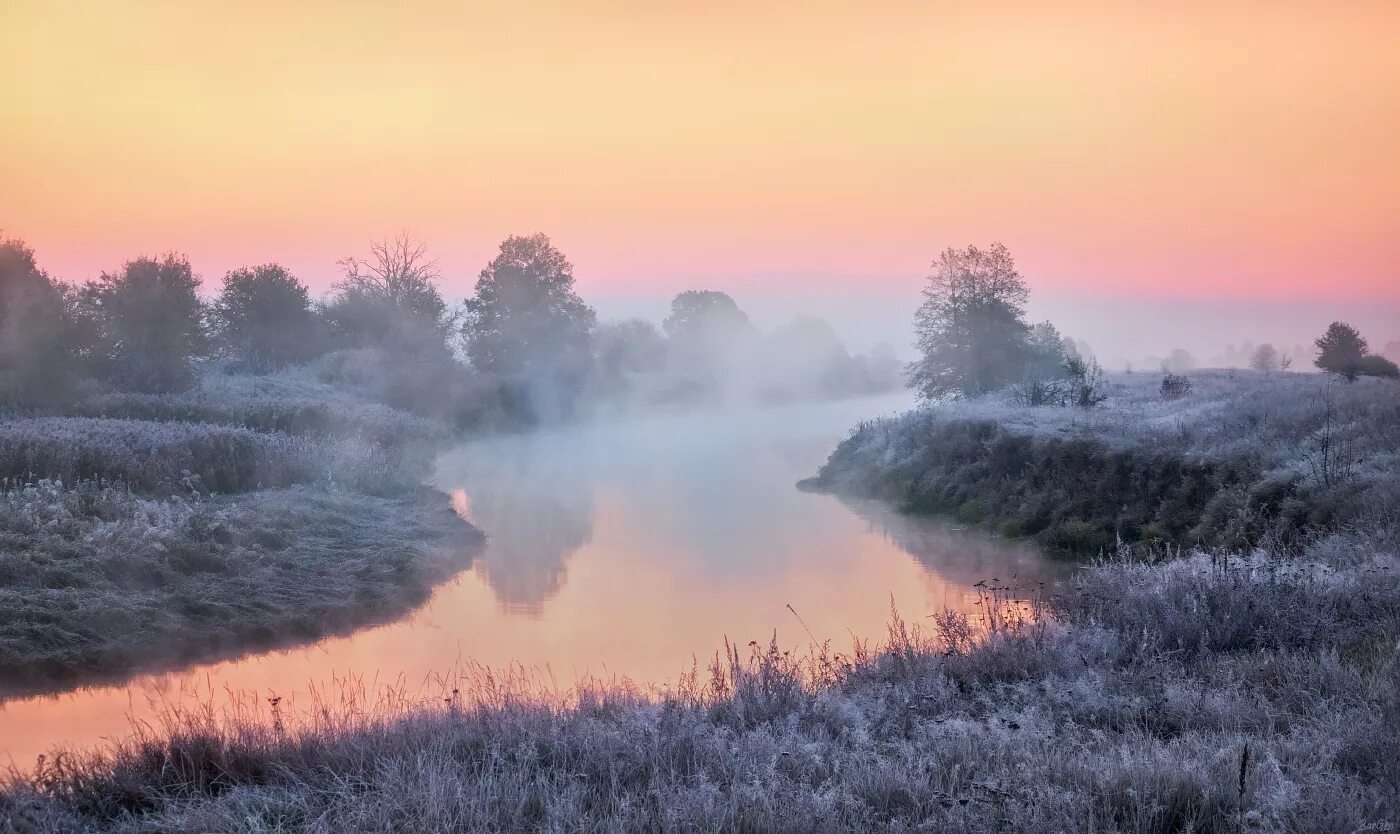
1223	154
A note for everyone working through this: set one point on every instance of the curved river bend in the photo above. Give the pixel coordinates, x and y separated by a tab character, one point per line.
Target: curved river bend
623	549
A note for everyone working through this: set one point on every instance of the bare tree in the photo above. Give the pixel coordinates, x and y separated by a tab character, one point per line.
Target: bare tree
390	298
399	271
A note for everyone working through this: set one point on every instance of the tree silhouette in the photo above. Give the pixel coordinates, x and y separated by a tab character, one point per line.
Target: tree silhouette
37	358
263	318
525	316
390	299
148	323
970	327
1340	350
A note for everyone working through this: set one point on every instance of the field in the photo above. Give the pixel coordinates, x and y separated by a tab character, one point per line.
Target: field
248	513
1244	460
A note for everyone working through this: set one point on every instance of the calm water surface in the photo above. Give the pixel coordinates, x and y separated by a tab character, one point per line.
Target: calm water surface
621	550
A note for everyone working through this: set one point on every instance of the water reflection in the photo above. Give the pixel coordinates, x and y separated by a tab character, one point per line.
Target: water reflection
962	557
626	549
537	506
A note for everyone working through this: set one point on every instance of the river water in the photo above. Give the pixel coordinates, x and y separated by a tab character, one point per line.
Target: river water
628	548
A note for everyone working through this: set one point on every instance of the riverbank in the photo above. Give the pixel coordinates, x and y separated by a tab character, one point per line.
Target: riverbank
1200	695
1243	460
249	513
1209	693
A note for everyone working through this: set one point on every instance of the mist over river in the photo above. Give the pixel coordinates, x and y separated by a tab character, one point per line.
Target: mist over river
628	547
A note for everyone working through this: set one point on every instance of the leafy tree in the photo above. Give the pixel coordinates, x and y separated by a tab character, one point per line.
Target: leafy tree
1179	361
148	323
263	318
525	316
1340	349
1266	359
390	300
702	315
970	327
708	335
1374	365
631	346
37	358
1047	351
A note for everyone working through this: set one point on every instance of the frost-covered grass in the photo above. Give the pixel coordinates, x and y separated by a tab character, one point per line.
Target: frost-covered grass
245	513
1245	459
1228	414
293	401
1203	696
166	457
99	582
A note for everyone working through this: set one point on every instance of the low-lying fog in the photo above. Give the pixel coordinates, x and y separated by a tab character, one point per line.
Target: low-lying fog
615	548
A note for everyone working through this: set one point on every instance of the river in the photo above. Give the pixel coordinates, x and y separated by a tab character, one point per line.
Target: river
626	548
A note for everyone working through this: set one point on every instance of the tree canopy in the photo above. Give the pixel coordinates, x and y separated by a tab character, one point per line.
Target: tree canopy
1340	350
390	299
970	328
525	315
263	318
36	356
148	323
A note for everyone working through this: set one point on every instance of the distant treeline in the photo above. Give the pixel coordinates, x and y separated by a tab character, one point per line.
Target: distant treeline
523	348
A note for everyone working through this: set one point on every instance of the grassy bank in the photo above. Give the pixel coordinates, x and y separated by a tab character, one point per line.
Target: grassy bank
1244	460
1258	695
186	527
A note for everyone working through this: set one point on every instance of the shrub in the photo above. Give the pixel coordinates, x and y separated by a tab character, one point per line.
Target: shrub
1079	538
1175	386
1011	529
973	511
1373	365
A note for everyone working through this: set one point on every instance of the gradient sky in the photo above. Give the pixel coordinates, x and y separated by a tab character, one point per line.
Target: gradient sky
1222	153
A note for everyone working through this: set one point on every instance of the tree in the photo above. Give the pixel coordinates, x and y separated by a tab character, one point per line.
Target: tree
37	358
525	316
263	318
1374	365
1340	350
390	300
970	327
1180	361
1265	359
708	336
148	323
1047	351
702	315
631	346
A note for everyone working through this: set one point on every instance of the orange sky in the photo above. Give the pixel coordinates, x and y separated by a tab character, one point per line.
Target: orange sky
1224	150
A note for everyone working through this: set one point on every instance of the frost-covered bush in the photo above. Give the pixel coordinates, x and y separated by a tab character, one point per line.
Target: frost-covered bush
1175	386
